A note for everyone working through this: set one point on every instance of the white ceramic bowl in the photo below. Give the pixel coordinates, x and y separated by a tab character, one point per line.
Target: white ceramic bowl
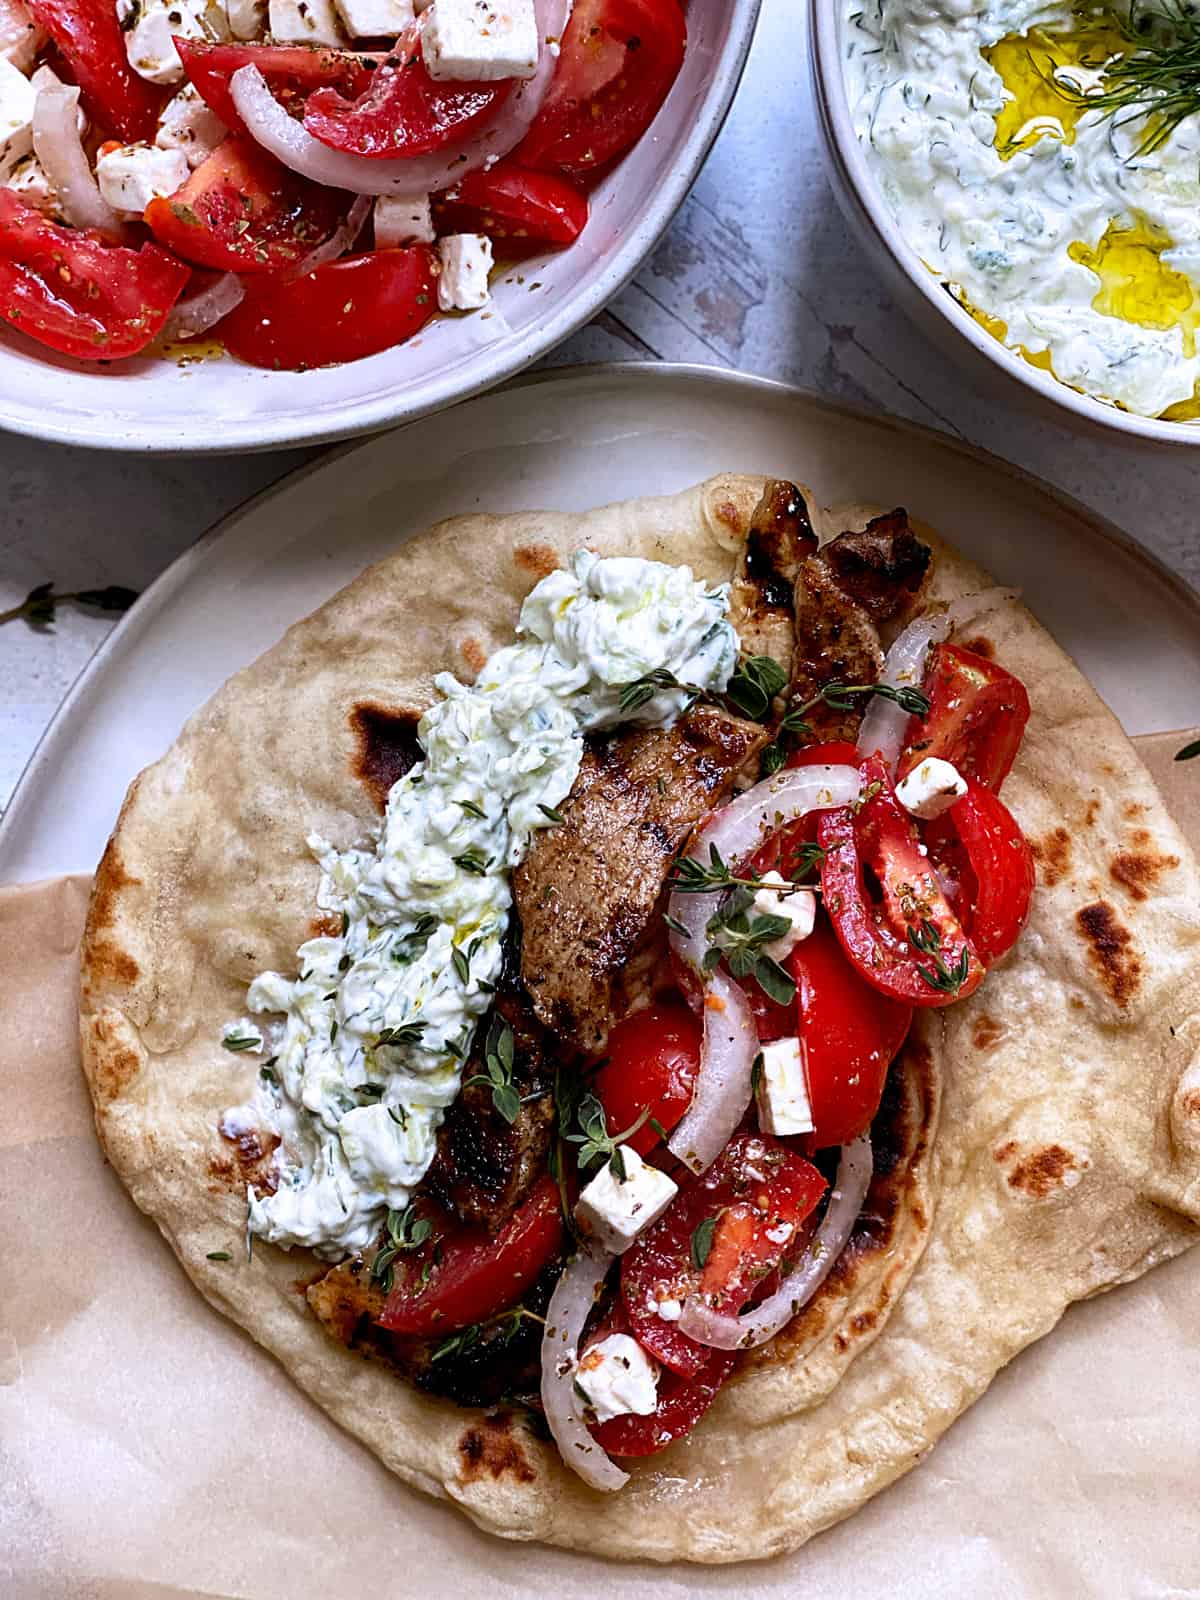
150	404
917	289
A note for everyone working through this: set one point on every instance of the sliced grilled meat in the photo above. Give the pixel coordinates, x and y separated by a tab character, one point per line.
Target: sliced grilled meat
856	580
761	597
484	1166
589	888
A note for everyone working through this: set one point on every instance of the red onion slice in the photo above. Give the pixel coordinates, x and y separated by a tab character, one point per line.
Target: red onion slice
885	724
343	238
763	1322
290	142
204	309
722	1090
60	151
574	1296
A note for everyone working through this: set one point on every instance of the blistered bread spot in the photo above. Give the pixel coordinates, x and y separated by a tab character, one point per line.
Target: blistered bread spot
540	560
474	655
980	645
491	1448
1092	812
385	747
249	1159
1043	1172
986	1032
1053	856
1111	950
1139	868
111	878
327	926
116	1056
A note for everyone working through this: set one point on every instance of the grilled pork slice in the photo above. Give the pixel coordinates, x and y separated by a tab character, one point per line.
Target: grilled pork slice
762	608
856	581
588	891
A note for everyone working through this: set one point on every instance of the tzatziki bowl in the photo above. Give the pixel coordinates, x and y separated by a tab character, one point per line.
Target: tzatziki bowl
1030	193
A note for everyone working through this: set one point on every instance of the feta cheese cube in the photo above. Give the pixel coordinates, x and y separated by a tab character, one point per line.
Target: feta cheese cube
466	260
150	26
930	789
20	36
305	22
247	18
618	1377
781	898
17	98
400	221
480	40
375	19
189	126
30	181
134	174
614	1210
783	1103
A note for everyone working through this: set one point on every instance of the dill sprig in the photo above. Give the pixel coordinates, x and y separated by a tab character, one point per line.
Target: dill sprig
1160	80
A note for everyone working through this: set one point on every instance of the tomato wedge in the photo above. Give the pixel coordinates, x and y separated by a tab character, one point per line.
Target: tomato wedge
850	1032
977	716
724	1234
90	40
401	111
980	843
681	1401
618	61
510	202
292	72
781	852
79	295
340	312
909	944
463	1275
653	1059
243	211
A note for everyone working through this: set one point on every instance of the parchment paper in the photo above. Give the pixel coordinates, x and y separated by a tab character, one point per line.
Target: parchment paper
149	1450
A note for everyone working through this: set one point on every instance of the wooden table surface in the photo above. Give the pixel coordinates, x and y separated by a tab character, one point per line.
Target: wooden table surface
757	272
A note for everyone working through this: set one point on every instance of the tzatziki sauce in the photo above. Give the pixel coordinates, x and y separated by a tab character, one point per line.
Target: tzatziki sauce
1050	222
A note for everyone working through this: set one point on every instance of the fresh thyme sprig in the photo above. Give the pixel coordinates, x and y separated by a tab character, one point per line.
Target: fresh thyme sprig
632	696
405	1033
467	1338
755	684
40	605
795	723
404	1231
1159	81
693	877
596	1143
498	1057
741	940
928	941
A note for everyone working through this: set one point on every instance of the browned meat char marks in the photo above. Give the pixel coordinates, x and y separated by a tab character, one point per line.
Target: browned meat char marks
589	888
860	578
761	598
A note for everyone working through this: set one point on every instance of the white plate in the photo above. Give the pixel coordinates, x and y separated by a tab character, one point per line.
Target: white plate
572	439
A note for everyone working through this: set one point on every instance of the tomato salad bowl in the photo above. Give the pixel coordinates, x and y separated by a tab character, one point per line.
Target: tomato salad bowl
238	224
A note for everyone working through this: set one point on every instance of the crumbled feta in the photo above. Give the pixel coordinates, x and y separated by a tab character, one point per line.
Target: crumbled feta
375	19
134	174
618	1377
190	126
401	220
783	1103
305	22
670	1310
466	260
17	98
930	789
247	18
20	36
614	1210
781	898
480	40
150	26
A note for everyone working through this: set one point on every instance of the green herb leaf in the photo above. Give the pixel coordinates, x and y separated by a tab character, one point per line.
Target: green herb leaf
756	1072
551	814
406	1033
755	684
242	1041
702	1238
218	1255
594	1140
774	982
472	809
632	696
472	861
771	760
461	965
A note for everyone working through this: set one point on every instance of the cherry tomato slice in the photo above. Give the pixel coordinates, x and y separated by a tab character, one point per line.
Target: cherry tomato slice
619	59
977	716
748	1206
341	312
510	203
90	40
653	1059
292	72
994	865
470	1274
243	211
681	1403
850	1033
909	945
401	111
76	293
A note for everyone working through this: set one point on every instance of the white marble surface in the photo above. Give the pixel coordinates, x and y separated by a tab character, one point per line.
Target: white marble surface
758	272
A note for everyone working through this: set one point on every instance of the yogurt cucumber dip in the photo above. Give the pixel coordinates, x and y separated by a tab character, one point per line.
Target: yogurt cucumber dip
367	1043
1071	231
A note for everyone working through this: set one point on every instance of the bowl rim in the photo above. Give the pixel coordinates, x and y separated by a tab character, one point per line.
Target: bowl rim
262	431
833	107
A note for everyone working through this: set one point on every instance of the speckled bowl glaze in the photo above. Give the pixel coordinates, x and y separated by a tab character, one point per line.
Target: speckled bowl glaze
918	290
217	404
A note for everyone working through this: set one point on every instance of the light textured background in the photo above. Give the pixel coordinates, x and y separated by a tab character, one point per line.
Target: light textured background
758	272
